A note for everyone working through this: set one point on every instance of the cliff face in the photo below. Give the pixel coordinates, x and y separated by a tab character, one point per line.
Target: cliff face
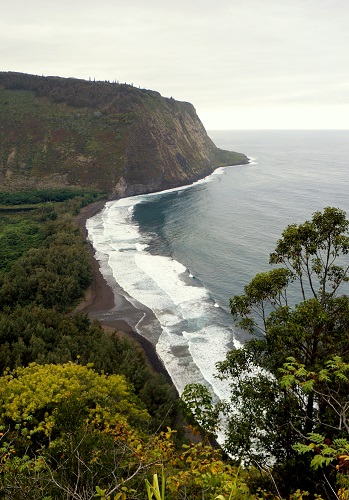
57	132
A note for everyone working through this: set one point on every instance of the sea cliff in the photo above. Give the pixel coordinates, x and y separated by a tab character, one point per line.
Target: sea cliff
112	137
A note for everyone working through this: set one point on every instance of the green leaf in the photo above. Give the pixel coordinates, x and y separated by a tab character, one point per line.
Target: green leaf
318	461
308	385
316	438
302	448
287	381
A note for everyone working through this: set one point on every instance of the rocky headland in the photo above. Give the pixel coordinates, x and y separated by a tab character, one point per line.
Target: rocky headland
111	137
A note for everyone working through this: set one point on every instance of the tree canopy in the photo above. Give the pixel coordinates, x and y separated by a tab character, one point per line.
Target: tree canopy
297	311
82	416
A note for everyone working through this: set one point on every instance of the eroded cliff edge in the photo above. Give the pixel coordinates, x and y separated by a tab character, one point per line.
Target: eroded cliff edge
61	132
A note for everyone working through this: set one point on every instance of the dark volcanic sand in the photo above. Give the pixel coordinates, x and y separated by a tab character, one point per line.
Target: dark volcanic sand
101	299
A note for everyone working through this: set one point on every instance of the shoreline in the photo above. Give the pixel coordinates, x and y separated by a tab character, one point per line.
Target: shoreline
100	299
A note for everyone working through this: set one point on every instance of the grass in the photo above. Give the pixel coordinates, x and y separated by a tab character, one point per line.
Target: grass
44	139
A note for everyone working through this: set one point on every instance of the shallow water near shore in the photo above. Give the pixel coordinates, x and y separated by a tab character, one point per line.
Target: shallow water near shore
178	256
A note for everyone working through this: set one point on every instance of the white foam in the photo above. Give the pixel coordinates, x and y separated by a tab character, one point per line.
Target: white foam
182	369
166	273
207	347
191	343
140	246
237	344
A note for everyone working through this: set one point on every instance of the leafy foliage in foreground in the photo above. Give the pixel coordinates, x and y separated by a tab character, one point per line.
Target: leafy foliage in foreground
41	286
282	386
79	422
35	334
70	433
50	411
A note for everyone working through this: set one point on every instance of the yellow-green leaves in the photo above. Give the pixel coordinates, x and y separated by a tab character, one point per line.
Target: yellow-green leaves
33	396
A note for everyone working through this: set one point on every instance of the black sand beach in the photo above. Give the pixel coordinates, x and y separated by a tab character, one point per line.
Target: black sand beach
100	298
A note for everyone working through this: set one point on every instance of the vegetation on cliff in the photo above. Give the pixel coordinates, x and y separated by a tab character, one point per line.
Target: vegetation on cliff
82	415
64	132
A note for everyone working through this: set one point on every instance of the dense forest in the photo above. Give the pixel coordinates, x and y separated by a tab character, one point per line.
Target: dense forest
83	416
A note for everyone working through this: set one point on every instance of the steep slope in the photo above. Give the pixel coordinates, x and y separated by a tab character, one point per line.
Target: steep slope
57	132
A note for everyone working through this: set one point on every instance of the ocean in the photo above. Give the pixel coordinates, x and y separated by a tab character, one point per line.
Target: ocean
178	256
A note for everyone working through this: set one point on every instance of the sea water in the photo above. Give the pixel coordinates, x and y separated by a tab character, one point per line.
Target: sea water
178	256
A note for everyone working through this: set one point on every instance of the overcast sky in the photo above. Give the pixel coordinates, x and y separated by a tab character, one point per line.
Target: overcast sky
244	64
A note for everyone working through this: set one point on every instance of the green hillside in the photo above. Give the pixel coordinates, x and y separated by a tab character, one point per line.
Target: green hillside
63	132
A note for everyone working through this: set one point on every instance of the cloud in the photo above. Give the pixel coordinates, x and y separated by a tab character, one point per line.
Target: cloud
222	55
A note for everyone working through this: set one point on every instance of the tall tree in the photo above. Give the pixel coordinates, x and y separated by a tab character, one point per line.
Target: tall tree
298	309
